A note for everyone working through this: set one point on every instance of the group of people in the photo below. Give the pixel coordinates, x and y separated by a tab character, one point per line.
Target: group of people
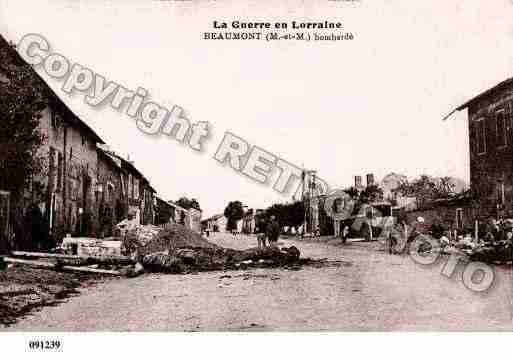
268	232
495	243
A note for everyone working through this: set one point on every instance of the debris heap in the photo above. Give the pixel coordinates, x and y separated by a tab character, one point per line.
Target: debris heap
178	249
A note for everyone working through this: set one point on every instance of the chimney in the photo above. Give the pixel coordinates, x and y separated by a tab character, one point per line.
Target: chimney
358	181
370	179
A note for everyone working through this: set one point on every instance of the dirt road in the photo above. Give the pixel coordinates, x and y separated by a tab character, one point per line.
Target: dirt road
371	290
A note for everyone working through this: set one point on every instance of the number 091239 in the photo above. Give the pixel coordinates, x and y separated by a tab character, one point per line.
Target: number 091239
44	344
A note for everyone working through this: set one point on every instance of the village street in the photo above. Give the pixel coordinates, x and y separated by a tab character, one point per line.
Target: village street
365	289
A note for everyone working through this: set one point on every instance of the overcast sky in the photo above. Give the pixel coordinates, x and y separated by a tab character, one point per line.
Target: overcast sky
373	105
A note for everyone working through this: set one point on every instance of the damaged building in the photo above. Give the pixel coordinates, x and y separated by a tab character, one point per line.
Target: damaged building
491	150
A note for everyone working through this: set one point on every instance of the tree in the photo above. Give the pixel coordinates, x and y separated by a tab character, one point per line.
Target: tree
234	213
187	203
297	214
24	96
279	211
287	214
425	189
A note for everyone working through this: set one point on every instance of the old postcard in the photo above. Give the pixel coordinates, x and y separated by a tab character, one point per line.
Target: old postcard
255	166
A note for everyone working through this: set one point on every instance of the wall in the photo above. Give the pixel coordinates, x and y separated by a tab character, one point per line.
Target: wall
71	161
110	205
445	215
195	219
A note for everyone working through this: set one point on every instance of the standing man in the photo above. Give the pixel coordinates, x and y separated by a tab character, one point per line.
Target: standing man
261	230
273	231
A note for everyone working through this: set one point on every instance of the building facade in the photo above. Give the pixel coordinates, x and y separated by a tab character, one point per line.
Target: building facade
490	116
69	197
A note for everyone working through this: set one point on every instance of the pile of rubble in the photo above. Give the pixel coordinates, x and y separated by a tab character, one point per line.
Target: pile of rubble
183	260
140	248
177	249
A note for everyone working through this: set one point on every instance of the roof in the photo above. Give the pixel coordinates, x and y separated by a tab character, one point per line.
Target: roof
72	118
485	93
54	100
480	96
215	217
108	156
131	167
161	201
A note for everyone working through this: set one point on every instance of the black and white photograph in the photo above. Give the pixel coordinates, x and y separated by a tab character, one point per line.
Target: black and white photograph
188	171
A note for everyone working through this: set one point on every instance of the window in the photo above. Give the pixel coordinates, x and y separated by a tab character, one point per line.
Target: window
53	119
52	175
459	218
4	213
83	140
136	188
501	128
110	192
59	171
480	135
130	186
501	199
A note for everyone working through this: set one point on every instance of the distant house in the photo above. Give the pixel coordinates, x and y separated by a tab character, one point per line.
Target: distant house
490	116
216	223
248	224
170	212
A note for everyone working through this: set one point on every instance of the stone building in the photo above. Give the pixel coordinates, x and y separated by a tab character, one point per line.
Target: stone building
71	181
164	212
216	223
137	192
84	189
111	204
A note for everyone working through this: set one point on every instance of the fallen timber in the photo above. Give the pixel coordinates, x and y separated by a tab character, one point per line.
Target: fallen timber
57	266
105	259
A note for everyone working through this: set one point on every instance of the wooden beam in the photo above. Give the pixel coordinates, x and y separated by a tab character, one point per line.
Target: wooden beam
100	259
48	265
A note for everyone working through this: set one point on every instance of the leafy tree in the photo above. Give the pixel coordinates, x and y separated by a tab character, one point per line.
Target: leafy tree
297	214
425	189
287	214
278	211
233	212
24	96
187	203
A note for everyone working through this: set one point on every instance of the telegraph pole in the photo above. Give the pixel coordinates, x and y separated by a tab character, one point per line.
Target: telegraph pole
308	187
